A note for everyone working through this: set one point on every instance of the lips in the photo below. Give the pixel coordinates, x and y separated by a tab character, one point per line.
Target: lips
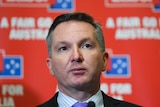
78	71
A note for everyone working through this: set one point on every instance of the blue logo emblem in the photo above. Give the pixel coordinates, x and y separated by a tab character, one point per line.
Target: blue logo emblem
157	7
11	67
63	5
120	66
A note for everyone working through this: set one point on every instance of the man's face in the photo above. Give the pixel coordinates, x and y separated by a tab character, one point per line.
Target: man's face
76	61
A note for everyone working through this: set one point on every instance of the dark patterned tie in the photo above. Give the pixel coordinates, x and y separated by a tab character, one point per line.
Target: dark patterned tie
80	104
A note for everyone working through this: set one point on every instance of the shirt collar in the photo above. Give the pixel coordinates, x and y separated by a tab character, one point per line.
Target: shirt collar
66	101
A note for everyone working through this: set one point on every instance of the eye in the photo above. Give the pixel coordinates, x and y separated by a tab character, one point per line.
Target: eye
87	45
62	48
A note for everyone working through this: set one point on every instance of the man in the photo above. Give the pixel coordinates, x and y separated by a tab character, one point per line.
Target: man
77	57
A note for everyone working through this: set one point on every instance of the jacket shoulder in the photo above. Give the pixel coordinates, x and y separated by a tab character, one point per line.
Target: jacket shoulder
111	102
50	103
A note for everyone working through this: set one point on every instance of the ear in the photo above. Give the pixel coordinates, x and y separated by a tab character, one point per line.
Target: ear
105	59
49	64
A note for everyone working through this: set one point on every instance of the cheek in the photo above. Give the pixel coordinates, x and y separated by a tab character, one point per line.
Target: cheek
59	64
95	61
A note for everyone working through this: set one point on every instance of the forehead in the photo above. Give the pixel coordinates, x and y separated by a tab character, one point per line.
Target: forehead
73	29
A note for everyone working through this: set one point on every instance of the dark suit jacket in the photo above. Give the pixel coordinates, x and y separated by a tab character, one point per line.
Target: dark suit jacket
108	102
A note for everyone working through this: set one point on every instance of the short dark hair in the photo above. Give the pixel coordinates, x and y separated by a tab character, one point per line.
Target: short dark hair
77	16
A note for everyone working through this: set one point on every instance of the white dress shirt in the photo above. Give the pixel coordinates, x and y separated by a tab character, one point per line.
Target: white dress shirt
66	101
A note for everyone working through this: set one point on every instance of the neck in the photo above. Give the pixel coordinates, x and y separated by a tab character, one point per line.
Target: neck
80	94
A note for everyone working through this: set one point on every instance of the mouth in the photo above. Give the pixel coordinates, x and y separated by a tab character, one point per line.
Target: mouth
78	71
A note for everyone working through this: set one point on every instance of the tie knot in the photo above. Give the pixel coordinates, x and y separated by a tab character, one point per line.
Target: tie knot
80	104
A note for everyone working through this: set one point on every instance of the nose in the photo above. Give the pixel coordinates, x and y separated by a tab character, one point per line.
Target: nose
76	54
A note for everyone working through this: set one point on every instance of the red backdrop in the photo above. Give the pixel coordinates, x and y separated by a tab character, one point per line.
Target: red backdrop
132	35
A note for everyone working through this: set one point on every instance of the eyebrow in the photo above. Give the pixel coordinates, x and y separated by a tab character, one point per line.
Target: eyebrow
60	43
79	42
85	40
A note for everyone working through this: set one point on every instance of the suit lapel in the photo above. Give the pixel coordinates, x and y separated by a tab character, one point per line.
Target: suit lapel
51	103
109	101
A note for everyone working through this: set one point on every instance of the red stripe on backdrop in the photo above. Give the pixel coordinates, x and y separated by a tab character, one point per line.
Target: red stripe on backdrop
33	1
51	1
1	62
